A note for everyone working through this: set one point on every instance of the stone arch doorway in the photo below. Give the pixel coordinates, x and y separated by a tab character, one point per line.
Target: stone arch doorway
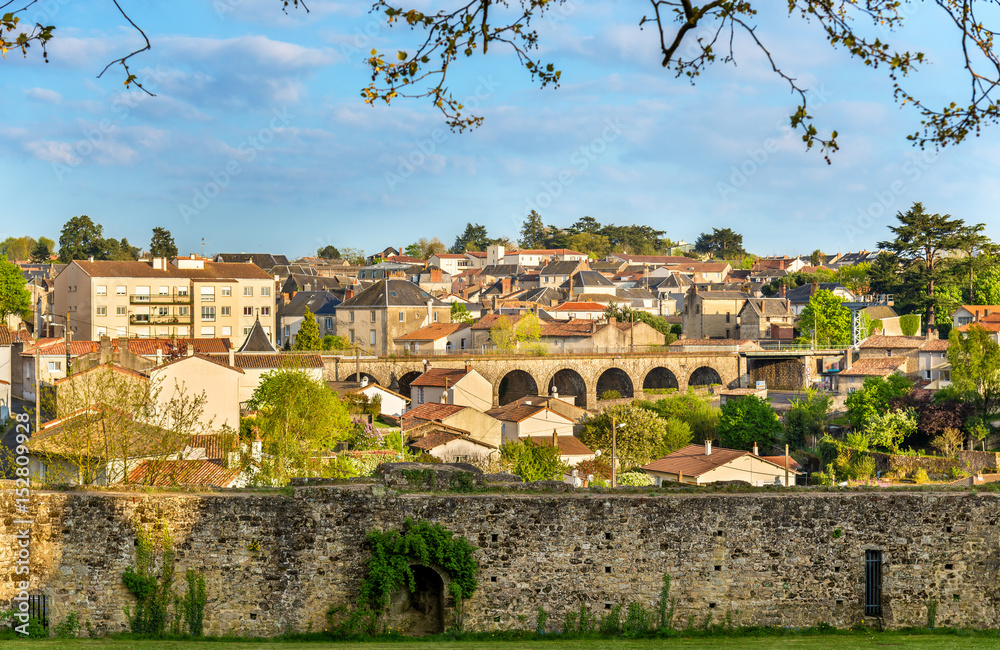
403	383
515	385
568	382
419	611
659	378
615	379
704	376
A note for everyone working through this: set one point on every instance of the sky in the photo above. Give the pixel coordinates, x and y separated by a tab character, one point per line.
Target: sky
257	139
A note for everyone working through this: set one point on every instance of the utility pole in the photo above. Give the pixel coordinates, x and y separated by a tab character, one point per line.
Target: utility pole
786	465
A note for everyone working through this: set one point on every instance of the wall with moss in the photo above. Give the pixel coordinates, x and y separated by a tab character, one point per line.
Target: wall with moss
275	562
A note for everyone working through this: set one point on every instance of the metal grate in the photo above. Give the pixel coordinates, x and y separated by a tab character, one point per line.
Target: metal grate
38	609
873	583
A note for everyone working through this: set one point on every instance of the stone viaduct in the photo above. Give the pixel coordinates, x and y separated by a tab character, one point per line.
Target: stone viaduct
584	376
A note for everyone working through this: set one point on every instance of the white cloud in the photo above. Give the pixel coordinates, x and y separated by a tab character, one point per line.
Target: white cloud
44	95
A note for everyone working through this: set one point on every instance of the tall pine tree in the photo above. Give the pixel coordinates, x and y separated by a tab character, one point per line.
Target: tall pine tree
308	336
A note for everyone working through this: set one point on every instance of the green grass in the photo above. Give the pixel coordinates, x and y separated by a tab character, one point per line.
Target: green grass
842	641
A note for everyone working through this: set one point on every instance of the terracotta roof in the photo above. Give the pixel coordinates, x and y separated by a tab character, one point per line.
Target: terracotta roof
893	342
988	325
440	377
210	358
793	464
580	306
264	360
433	332
107	367
215	445
53	438
6	336
515	412
438	438
568	445
476	254
572	328
543	251
431	411
212	270
934	345
692	460
183	472
878	367
448	256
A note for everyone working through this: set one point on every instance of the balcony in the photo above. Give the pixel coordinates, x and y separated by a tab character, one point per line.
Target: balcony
158	299
156	319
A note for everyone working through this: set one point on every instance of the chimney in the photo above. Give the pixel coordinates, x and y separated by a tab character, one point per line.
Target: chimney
190	349
555	439
159	356
427	365
348	294
612	320
308	286
783	291
755	452
468	366
430	315
105	353
708	447
232	357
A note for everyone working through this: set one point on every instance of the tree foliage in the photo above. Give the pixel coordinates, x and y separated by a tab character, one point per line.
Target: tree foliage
307	337
694	410
473	238
162	244
41	252
745	421
826	320
875	397
975	368
721	242
328	252
807	417
460	313
533	231
642	434
532	462
300	420
890	428
15	299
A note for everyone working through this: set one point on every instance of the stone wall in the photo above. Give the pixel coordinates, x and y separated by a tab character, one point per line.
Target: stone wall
275	562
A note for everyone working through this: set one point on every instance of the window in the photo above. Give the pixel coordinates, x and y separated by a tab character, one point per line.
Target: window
120	290
927	374
463	343
248	311
371	337
164	291
208	313
163	311
727	316
873	583
120	311
207	294
102	289
265	291
247	291
351	332
208	332
328	323
55	365
265	311
227	331
182	311
350	317
402	317
420	396
227	291
102	311
373	316
435	317
246	330
888	353
288	331
182	291
225	311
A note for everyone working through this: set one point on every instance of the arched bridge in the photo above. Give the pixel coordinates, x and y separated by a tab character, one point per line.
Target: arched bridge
584	376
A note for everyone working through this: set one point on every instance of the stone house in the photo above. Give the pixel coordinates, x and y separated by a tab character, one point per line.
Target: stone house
850	379
765	318
712	314
451	263
448	444
908	347
554	274
703	464
433	278
386	310
592	336
460	387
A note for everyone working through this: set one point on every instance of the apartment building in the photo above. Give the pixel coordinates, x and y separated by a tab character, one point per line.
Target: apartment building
185	298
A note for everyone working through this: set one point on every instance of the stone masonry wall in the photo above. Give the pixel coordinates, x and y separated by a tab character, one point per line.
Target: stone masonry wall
275	562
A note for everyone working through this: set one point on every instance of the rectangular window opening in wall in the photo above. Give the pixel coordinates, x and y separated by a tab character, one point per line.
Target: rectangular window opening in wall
956	597
608	536
607	569
711	605
493	578
949	566
607	605
840	602
227	291
718	567
38	609
253	616
494	537
873	583
947	529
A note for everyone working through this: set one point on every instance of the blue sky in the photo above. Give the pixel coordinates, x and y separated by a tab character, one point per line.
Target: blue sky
257	139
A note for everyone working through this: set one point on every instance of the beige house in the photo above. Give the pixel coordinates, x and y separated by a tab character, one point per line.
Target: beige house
451	263
881	347
198	374
438	337
933	365
461	387
186	298
852	378
449	444
703	464
530	420
385	311
476	424
393	403
712	314
591	336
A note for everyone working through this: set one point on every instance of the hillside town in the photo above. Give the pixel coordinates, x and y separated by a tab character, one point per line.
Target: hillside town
572	363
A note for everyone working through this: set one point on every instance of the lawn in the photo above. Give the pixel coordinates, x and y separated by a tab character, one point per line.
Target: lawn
793	642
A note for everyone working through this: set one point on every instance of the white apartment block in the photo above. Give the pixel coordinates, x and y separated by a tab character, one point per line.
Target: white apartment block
184	298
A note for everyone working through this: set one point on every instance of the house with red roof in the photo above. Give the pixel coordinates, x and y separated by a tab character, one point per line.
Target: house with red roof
453	386
704	464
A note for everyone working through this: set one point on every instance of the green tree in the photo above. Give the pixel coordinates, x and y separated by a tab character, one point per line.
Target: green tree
460	313
15	299
79	239
328	252
642	434
694	410
826	320
473	238
17	248
720	242
807	417
909	324
532	462
987	283
533	231
978	249
595	246
42	250
307	337
162	244
890	428
883	274
975	369
299	420
427	247
922	240
353	256
817	257
745	421
874	398
855	278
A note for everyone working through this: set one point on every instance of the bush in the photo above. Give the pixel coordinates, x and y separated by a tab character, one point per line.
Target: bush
533	462
637	479
909	324
920	476
746	421
610	394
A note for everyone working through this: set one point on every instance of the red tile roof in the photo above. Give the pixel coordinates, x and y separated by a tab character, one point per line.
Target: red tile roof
128	372
431	411
935	345
183	472
438	438
793	465
692	460
580	306
877	367
440	377
568	445
433	332
893	342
